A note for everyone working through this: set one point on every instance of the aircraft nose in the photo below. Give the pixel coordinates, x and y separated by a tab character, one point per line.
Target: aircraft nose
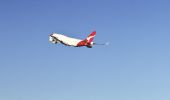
50	39
51	35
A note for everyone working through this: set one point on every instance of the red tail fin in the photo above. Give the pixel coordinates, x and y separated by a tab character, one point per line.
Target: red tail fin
90	38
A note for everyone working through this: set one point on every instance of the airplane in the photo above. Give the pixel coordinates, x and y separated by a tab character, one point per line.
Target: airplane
68	41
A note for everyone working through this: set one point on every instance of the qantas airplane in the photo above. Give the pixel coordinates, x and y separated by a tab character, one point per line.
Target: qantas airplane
68	41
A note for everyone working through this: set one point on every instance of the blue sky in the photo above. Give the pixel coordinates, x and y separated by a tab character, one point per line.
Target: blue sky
135	66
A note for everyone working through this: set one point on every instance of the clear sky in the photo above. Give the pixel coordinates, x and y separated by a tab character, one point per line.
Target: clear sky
135	66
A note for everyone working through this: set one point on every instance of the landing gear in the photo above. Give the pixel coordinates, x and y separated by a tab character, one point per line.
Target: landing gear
89	46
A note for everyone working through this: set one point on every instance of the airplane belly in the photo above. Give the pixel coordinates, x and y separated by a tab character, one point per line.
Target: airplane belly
70	41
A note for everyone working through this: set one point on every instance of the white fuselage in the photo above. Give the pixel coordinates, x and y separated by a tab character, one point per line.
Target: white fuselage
64	39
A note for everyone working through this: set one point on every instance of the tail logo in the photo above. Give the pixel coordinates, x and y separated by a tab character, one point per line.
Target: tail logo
91	37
